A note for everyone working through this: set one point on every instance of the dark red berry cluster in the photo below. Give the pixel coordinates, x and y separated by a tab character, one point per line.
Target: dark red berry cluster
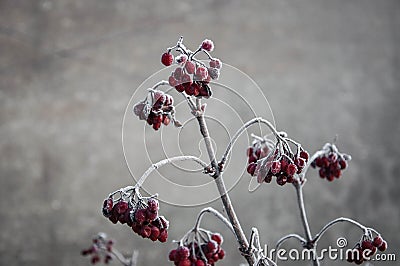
156	109
142	218
265	161
191	75
101	247
366	249
204	254
331	164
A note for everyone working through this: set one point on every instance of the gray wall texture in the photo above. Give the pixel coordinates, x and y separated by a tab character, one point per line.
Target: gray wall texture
69	67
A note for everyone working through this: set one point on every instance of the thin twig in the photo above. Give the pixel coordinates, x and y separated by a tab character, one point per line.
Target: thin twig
240	236
339	220
304	220
165	162
134	258
242	129
216	214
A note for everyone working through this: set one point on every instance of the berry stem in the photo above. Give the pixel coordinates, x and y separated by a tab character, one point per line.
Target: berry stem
240	236
304	220
165	162
134	258
216	214
339	220
243	128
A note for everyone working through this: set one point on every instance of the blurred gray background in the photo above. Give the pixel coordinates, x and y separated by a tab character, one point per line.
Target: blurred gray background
69	67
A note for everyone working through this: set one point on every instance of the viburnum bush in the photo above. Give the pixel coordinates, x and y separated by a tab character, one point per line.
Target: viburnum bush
274	157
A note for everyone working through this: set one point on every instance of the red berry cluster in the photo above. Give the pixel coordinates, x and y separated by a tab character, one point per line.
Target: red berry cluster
366	249
330	164
101	247
156	109
142	218
266	162
191	75
207	253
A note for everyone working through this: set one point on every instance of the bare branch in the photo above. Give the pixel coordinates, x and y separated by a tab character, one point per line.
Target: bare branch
216	214
340	220
165	162
242	129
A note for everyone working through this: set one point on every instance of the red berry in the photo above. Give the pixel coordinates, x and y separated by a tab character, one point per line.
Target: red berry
151	215
342	164
366	245
212	246
284	165
300	163
275	167
251	168
180	88
322	172
377	241
146	231
163	236
217	238
213	72
166	120
140	216
95	259
167	59
190	67
325	162
336	173
157	125
216	63
183	252
199	263
281	180
155	233
332	157
304	155
318	161
121	207
207	45
221	254
185	262
383	246
181	59
178	73
201	73
291	169
152	205
249	151
172	255
172	81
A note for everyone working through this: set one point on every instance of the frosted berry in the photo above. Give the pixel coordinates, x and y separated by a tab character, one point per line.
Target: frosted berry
215	63
167	59
181	59
207	45
217	238
201	73
190	67
377	241
383	246
140	216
